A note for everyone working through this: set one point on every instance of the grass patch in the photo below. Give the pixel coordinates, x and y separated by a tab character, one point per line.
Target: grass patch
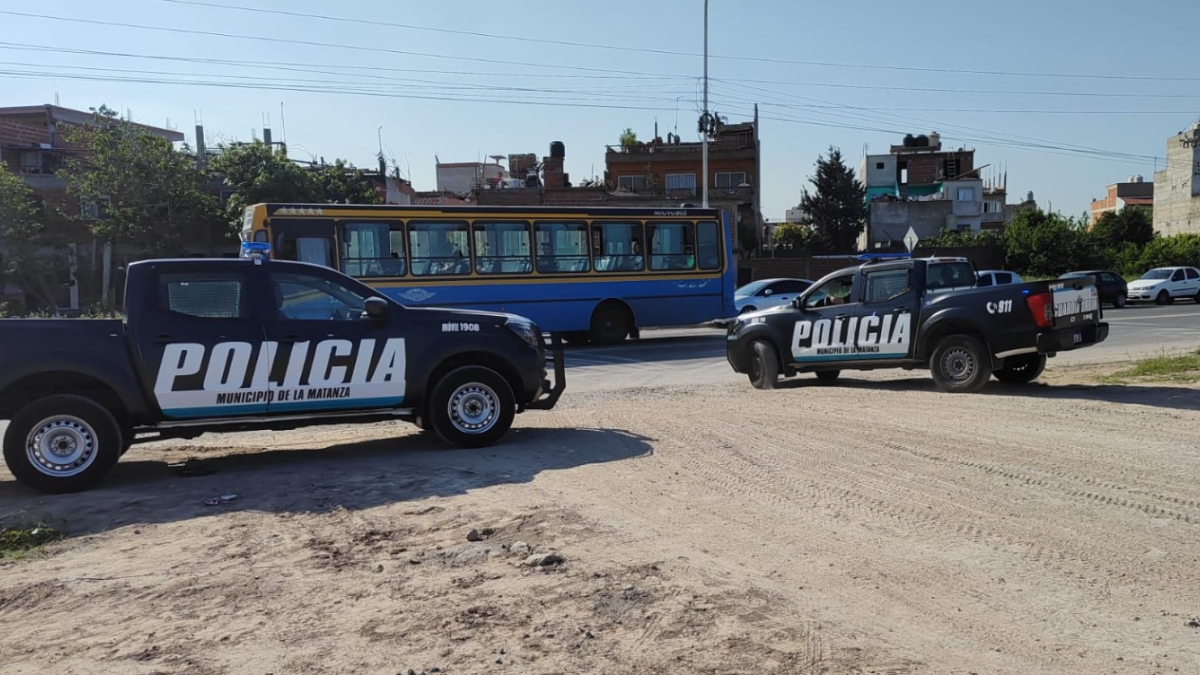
1182	368
19	542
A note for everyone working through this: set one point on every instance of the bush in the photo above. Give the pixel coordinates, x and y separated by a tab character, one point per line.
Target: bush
1176	250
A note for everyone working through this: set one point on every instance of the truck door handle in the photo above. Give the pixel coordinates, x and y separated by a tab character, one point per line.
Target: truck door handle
900	310
292	338
841	316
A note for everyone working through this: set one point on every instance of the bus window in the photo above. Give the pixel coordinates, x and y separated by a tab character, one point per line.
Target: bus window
617	247
502	248
708	246
261	236
672	246
439	248
367	251
562	247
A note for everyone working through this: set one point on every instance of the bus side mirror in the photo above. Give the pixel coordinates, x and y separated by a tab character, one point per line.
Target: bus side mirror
377	308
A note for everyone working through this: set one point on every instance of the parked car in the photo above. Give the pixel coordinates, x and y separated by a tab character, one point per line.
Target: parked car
1167	284
766	293
228	345
1112	286
997	278
895	315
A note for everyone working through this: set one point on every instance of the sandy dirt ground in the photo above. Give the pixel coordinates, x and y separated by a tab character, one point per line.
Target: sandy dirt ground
874	527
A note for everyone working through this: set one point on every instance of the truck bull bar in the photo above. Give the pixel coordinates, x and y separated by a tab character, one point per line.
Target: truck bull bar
551	391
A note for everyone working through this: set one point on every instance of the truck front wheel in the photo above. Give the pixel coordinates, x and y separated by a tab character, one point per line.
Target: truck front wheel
59	444
764	365
472	407
960	363
1021	369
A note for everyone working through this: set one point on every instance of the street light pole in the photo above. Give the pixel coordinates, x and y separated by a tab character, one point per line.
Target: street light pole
704	117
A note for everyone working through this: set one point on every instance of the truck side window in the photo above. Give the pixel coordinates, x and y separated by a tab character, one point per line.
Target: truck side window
886	285
836	291
301	297
206	295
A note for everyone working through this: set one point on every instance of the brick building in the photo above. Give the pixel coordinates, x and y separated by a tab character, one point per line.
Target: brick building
1136	192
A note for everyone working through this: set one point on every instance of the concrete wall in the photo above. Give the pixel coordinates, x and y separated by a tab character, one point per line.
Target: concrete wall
889	221
874	175
458	178
1177	187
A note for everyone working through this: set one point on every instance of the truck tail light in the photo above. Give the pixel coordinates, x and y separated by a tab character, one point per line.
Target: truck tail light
1041	306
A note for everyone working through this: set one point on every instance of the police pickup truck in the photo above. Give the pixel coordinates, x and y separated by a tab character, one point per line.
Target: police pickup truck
918	313
232	344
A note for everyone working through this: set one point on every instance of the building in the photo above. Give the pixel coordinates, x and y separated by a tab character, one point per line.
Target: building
671	171
920	185
1177	187
1136	192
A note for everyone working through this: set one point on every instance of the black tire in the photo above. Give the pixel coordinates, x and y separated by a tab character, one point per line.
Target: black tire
1021	369
1121	301
960	364
611	324
1163	298
764	365
828	376
73	424
472	407
747	309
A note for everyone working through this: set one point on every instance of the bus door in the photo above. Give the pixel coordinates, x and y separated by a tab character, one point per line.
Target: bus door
309	241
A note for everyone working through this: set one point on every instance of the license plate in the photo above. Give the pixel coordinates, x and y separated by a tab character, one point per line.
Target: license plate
1078	337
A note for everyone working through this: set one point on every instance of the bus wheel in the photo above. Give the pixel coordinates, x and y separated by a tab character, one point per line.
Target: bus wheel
611	323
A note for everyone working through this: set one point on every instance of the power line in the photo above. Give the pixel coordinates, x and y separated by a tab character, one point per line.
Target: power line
665	52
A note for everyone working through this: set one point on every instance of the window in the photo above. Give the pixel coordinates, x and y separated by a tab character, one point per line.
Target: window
681	181
985	280
966	194
502	248
205	295
729	179
708	245
1177	276
1004	278
94	208
991	207
672	246
372	250
789	286
1192	274
617	247
883	285
950	275
562	247
836	291
260	236
313	249
439	248
304	297
879	166
632	183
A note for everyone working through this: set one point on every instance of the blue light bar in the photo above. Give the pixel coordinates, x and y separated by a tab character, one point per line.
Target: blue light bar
256	251
883	256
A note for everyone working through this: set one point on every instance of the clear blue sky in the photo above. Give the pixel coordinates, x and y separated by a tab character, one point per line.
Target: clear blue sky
522	108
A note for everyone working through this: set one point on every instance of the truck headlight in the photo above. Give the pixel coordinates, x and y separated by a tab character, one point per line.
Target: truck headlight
526	330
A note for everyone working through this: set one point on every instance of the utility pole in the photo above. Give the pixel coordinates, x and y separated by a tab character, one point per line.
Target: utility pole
704	121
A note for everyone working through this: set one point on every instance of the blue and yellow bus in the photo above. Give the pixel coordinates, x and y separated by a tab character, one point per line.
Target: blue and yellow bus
588	273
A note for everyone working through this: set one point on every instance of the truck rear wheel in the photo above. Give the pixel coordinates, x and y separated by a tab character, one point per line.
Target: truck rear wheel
472	407
1021	369
764	365
60	444
960	363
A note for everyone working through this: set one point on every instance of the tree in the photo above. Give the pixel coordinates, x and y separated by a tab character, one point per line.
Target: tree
147	192
838	208
793	236
339	183
25	248
1044	244
1133	225
628	139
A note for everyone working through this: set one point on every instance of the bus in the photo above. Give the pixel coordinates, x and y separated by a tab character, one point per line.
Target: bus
589	274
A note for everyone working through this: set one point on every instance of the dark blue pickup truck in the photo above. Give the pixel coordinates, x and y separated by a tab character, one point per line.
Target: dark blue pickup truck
918	313
232	344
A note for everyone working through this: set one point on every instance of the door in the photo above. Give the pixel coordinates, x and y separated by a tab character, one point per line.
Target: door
884	323
309	241
1177	286
1191	282
331	355
822	333
201	343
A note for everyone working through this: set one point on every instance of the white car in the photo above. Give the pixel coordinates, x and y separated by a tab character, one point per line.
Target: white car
997	277
766	293
1165	284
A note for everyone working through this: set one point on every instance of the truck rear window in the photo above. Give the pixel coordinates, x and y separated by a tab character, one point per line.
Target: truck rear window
207	296
950	275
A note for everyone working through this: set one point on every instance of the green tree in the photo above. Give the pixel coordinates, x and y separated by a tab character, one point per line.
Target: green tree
150	193
1044	244
793	236
628	139
26	251
340	183
837	208
1134	225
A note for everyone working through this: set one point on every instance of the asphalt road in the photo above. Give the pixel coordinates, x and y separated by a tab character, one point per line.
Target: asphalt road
697	355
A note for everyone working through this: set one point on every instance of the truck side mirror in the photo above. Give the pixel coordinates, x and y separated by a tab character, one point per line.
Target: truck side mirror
377	308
